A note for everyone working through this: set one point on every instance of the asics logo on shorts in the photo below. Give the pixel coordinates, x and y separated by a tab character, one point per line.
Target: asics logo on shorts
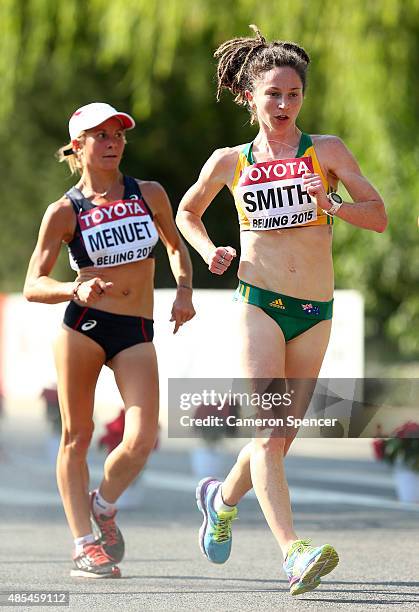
89	325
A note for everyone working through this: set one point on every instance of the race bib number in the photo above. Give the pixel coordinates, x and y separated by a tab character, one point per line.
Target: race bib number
117	233
272	194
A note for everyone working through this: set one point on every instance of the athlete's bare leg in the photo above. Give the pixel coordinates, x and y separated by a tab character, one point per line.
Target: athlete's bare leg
261	462
302	362
261	350
78	361
136	375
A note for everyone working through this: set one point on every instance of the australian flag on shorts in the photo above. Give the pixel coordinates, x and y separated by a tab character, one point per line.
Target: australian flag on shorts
310	309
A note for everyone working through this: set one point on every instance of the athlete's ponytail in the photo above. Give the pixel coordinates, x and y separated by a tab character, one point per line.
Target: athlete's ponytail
233	57
242	60
72	159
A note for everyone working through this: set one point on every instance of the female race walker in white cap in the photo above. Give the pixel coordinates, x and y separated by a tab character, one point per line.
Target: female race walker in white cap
111	224
284	185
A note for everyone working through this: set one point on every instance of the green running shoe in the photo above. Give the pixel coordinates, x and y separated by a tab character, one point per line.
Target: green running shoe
306	564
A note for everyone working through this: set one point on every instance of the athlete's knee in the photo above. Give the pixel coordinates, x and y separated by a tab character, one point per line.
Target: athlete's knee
139	447
287	444
244	454
270	446
76	440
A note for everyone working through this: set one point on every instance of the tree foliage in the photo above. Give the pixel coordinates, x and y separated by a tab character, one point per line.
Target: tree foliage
154	59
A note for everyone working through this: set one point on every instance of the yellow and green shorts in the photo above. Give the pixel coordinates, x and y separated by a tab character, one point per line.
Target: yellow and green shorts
294	316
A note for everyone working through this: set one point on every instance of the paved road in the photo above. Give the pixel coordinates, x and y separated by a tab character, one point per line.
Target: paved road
347	502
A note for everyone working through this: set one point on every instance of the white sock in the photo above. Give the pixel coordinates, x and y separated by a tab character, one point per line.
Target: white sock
80	542
101	506
219	504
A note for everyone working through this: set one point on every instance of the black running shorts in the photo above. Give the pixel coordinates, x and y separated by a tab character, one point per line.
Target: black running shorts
113	332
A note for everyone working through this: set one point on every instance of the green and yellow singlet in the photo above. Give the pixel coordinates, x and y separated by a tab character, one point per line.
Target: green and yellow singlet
270	195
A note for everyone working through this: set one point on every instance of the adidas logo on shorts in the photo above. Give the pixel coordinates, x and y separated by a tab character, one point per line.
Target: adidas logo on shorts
277	304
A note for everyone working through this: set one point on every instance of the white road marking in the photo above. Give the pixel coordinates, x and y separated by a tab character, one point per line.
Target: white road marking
170	481
382	480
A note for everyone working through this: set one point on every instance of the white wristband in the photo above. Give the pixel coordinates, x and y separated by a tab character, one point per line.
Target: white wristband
333	210
335	206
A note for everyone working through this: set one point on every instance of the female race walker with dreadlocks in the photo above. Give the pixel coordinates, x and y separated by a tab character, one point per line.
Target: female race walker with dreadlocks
284	185
111	224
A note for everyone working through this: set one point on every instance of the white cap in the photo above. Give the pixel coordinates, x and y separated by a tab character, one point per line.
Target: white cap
94	114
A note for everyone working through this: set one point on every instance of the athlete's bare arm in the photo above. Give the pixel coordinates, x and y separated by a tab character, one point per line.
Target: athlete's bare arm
57	226
340	165
217	172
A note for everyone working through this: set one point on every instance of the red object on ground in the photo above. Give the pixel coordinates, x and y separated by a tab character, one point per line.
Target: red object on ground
378	446
50	395
115	432
408	430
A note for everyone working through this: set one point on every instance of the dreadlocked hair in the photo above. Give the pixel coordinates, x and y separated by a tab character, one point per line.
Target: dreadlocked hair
242	60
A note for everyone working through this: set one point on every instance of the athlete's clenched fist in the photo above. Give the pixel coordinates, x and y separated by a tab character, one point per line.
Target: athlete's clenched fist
90	291
220	259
